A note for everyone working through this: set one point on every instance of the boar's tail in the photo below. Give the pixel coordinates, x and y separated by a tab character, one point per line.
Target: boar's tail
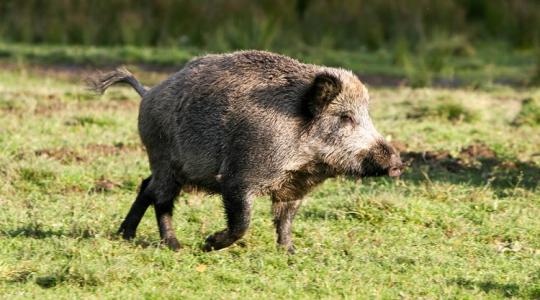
101	82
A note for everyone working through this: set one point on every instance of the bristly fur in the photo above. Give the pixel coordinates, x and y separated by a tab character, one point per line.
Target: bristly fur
102	81
250	123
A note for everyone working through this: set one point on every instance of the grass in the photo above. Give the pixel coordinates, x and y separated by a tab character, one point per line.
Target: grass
71	164
442	62
529	113
444	108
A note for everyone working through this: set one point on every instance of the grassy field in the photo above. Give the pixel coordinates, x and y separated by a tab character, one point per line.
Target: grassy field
445	62
463	221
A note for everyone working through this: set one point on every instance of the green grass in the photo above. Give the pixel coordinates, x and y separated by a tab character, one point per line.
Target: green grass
71	164
444	108
529	113
440	62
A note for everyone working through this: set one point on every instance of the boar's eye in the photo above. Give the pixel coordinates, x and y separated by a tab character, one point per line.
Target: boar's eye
346	119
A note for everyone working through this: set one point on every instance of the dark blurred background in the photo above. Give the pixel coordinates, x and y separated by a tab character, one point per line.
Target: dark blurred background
273	24
424	42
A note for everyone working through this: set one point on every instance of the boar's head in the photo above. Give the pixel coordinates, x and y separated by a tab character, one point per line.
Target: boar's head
339	130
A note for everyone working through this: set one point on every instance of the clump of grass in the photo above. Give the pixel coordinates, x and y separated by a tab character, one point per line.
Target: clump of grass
80	96
10	104
415	69
69	275
20	275
439	52
450	110
259	34
372	209
529	113
418	74
89	120
456	45
431	59
38	177
454	111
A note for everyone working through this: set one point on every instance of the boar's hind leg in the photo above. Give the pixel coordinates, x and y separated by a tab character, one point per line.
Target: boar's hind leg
284	212
165	194
162	195
138	208
237	203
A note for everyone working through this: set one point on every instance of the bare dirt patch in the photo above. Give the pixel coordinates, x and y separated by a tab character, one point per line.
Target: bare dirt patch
50	107
67	156
109	150
63	155
476	163
477	154
441	158
104	185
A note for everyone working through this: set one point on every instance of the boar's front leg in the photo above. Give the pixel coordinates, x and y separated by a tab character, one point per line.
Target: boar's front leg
284	211
237	203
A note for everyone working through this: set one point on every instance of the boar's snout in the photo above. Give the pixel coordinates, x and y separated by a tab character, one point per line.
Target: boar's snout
382	159
395	166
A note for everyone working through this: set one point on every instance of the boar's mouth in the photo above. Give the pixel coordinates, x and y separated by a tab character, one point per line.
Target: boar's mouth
395	171
378	171
363	173
381	161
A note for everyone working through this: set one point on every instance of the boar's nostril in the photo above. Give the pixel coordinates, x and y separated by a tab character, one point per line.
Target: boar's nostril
394	172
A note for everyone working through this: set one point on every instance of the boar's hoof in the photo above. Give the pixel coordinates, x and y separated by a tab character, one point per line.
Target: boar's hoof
126	233
290	249
218	240
172	243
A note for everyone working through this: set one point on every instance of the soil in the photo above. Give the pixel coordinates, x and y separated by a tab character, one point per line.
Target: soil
469	156
67	156
63	155
104	149
104	185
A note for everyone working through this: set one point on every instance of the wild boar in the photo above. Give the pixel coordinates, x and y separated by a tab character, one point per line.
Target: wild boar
246	124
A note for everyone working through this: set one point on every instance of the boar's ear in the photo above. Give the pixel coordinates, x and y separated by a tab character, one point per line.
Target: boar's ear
323	90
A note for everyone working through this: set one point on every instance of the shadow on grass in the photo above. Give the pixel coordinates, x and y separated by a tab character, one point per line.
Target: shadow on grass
37	232
476	164
508	290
